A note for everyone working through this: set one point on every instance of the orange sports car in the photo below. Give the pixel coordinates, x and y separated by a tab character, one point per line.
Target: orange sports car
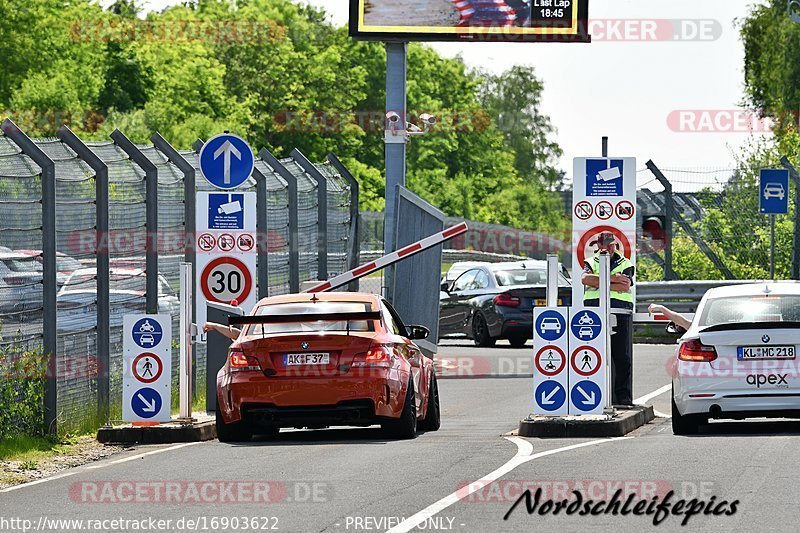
328	359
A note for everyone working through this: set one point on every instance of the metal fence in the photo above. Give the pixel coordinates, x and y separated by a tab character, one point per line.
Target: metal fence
91	231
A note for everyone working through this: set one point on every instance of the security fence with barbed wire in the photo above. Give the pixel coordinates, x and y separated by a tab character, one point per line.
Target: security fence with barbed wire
91	231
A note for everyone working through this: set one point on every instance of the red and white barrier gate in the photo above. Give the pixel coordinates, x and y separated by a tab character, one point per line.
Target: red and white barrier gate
389	259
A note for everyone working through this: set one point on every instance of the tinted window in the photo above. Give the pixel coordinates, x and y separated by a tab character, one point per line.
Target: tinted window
464	281
310	308
398	328
528	276
750	309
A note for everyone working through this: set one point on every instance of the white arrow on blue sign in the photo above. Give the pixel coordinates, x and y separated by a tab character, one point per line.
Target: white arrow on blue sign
146	402
586	396
774	191
226	161
550	395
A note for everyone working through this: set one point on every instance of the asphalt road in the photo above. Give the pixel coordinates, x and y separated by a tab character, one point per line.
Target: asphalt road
355	480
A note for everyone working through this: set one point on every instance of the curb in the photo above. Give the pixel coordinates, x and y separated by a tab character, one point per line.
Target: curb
623	423
166	434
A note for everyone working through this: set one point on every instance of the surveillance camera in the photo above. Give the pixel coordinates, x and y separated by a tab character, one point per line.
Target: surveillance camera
428	119
413	128
392	117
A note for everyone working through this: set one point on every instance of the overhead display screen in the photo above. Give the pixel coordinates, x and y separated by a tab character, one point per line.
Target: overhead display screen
470	20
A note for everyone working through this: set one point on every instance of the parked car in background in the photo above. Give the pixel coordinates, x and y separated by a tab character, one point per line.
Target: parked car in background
20	286
77	299
458	268
495	301
65	264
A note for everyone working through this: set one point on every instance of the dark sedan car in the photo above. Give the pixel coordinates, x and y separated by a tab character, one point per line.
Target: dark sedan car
496	301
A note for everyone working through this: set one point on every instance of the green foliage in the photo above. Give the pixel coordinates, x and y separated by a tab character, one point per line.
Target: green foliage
198	68
22	381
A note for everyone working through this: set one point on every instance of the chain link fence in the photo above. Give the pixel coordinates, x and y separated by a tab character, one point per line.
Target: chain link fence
83	385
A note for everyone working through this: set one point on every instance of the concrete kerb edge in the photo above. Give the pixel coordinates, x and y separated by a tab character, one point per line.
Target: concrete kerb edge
560	428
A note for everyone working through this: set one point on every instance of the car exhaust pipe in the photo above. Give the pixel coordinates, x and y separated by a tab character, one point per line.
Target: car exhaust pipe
715	410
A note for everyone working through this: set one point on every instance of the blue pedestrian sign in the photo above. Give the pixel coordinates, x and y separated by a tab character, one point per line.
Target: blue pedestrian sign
147	332
586	396
146	402
774	191
226	161
550	395
586	325
551	325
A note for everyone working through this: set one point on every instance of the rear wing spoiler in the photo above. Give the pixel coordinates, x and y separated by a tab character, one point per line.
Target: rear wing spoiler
310	317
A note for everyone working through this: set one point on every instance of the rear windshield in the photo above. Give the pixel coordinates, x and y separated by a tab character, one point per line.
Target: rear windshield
521	277
751	309
23	265
310	308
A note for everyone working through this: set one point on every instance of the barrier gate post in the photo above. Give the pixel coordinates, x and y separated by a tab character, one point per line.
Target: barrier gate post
185	377
552	280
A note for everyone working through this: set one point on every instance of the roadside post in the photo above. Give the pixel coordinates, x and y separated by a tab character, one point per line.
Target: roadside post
226	227
147	369
773	200
186	342
552	280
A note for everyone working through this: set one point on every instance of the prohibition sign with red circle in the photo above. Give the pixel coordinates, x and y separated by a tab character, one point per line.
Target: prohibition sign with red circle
591	371
584	210
223	270
604	210
625	210
551	373
158	364
245	242
226	242
625	245
206	242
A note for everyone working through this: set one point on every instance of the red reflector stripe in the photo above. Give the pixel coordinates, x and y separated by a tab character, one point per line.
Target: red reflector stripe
410	249
454	230
321	288
366	268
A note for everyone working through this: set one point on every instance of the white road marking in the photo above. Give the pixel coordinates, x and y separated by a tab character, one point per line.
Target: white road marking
94	467
647	397
524	454
659	414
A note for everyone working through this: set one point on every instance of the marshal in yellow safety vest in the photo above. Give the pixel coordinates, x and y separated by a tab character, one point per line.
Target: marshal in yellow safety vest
622	274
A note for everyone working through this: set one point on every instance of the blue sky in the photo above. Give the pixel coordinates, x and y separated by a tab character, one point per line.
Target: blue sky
626	90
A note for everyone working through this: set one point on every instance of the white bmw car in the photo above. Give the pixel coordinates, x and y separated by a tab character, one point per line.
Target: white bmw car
739	357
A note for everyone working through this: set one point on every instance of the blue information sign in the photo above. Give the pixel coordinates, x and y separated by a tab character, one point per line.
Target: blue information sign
226	161
774	191
550	395
146	402
586	396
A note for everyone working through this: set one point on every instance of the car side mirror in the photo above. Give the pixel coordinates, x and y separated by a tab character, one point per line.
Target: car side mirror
417	332
445	287
674	329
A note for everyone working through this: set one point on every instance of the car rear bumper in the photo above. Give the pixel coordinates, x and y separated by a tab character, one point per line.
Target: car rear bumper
516	322
289	402
720	401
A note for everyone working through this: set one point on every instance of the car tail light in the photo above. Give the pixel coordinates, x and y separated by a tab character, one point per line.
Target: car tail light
506	300
241	362
377	356
696	351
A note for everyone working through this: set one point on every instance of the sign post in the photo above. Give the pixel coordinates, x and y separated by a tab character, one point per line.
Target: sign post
773	200
147	369
226	227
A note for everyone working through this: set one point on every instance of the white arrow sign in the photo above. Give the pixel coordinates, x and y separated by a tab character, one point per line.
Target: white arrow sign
148	406
547	399
226	150
589	400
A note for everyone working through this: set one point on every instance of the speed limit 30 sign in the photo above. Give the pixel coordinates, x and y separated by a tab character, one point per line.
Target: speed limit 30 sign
226	279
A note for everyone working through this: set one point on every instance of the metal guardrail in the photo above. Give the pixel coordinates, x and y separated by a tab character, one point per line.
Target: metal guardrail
680	296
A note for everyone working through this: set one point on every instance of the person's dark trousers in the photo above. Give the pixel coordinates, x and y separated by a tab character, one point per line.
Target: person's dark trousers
622	361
